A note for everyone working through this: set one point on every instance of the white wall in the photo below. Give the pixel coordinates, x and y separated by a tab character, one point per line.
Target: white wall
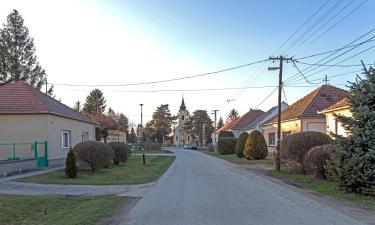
331	122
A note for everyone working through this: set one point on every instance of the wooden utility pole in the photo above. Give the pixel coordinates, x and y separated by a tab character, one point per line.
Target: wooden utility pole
280	68
215	114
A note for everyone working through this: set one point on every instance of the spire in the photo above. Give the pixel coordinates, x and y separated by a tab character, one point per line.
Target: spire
182	107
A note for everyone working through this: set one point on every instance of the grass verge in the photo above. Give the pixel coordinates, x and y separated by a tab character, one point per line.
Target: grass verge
131	172
325	187
152	151
234	159
56	210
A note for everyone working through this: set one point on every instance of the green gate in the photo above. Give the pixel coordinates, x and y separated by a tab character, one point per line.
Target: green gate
41	153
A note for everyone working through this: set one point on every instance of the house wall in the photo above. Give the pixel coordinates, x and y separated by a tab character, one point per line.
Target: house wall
293	126
115	135
334	126
318	125
21	129
58	124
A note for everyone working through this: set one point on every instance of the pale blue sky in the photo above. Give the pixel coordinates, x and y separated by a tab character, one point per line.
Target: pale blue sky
113	42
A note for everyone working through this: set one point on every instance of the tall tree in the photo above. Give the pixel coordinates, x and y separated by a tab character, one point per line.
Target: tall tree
161	124
233	115
18	61
95	103
201	125
132	136
220	124
353	158
77	106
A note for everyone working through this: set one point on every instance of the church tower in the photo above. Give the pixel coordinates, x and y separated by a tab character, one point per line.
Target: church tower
183	113
181	136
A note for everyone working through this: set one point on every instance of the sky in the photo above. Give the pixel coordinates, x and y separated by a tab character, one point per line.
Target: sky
112	42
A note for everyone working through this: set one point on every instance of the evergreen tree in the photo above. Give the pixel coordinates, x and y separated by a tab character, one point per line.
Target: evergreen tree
220	124
233	115
161	124
352	162
132	136
77	106
18	61
71	165
95	103
201	121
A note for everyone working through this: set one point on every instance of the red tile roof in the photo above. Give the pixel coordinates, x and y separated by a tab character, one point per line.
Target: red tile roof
342	104
308	106
22	98
247	118
227	126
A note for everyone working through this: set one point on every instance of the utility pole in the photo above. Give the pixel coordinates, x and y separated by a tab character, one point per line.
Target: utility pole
143	152
215	114
280	68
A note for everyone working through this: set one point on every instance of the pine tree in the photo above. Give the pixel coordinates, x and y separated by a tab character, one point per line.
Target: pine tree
200	119
161	124
95	103
18	61
220	124
132	136
71	165
77	106
233	115
353	159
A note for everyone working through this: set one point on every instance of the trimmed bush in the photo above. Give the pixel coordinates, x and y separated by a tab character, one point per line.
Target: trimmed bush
316	160
210	147
226	133
240	146
255	146
71	165
226	145
295	146
120	151
97	154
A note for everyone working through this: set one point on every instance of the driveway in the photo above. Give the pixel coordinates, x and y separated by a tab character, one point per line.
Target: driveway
202	190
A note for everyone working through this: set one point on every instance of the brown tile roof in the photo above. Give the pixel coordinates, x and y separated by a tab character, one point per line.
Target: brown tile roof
308	106
227	126
247	118
342	104
21	98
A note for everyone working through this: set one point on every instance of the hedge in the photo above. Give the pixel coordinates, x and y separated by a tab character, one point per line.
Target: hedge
316	160
121	152
97	154
255	146
226	145
240	145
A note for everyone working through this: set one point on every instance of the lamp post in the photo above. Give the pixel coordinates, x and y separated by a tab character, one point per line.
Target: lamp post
143	153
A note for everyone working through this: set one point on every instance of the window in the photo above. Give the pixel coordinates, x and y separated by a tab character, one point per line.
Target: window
286	133
271	139
85	136
65	139
183	117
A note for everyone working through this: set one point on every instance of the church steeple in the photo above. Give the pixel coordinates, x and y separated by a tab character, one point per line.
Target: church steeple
182	107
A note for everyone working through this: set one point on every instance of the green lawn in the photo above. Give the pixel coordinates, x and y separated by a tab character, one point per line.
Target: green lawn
131	172
326	187
56	210
234	159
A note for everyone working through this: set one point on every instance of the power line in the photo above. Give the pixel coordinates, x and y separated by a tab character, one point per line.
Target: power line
286	100
162	81
340	20
336	65
307	81
265	99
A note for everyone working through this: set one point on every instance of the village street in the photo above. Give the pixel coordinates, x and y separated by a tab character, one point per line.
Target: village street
200	189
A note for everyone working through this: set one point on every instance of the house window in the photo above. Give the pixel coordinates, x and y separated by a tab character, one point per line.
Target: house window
85	136
271	139
65	139
286	133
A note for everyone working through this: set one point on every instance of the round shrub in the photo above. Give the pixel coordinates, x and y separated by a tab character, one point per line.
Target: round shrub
120	150
241	144
316	160
255	146
226	145
226	133
97	154
294	147
71	165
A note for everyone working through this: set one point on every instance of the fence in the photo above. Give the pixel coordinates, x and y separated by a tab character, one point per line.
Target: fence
20	151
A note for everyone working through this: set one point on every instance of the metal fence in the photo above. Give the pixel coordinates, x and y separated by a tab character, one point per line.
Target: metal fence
20	151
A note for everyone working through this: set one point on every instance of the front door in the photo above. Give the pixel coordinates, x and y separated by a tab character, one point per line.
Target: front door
41	155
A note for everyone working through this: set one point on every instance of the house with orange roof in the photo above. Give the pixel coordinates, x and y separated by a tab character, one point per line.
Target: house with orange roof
333	126
36	130
303	115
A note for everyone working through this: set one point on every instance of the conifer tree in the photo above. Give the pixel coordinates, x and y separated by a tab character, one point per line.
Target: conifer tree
233	115
220	123
18	61
352	162
95	103
77	106
71	165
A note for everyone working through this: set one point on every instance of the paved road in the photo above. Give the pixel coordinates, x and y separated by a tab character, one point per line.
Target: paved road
202	190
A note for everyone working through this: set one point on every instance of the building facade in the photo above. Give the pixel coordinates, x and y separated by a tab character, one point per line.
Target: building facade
181	135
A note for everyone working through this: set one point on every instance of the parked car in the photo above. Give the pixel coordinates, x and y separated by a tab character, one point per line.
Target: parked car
187	146
193	147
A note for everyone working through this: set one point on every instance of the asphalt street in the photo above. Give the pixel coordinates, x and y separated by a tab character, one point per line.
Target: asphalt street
202	190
